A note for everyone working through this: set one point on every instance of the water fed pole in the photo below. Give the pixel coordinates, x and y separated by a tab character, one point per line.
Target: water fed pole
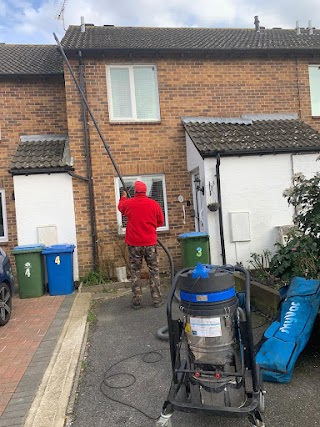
103	140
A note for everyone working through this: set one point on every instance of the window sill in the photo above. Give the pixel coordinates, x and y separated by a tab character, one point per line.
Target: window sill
316	117
135	122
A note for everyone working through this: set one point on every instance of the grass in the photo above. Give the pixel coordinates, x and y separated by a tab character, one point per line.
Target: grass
94	278
92	317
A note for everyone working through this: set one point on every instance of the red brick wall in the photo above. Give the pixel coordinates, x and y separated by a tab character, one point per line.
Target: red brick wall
28	106
187	87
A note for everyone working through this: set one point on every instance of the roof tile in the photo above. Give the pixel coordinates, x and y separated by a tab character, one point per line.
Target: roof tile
30	60
156	38
259	135
41	154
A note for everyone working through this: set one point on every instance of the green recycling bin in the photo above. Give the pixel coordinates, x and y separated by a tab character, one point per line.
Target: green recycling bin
30	270
194	248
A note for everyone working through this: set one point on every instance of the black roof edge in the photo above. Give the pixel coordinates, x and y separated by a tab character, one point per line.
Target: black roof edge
261	152
193	50
36	171
28	76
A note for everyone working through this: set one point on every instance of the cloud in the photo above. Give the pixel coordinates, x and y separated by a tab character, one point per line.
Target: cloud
34	21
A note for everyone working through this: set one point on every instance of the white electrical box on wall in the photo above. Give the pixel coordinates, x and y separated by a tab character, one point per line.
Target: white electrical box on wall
240	226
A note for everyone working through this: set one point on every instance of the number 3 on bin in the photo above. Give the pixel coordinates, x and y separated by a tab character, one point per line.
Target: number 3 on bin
57	260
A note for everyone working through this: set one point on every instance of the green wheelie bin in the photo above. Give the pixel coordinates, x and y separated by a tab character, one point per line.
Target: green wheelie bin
194	248
30	270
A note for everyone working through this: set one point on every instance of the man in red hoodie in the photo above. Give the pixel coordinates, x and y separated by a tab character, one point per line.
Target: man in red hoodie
143	215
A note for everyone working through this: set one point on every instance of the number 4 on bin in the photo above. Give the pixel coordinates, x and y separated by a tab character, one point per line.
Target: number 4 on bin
57	260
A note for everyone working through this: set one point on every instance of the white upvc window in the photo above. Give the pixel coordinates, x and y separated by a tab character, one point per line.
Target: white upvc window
133	93
3	217
156	189
314	80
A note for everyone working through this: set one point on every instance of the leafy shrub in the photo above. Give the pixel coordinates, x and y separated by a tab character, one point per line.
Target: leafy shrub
300	256
94	278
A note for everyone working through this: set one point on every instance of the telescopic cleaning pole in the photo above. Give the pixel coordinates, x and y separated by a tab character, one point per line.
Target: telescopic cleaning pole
89	110
103	140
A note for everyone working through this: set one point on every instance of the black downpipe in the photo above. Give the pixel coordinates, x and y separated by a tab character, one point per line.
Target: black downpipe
103	140
223	249
88	167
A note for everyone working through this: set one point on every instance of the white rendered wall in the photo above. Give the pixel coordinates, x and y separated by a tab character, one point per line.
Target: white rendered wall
42	200
254	184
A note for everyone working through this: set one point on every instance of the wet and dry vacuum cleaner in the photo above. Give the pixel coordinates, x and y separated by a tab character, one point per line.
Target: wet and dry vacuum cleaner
211	346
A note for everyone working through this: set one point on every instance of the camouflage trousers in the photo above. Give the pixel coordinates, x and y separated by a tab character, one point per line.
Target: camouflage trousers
150	255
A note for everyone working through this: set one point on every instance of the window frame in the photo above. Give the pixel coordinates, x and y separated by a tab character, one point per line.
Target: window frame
313	112
134	118
4	238
118	184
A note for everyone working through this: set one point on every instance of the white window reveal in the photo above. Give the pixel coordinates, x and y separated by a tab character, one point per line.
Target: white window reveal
156	189
133	93
314	80
3	217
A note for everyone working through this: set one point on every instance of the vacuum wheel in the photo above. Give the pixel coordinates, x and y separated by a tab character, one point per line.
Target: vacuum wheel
164	422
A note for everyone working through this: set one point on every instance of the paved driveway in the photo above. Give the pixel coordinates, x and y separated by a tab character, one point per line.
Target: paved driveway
125	385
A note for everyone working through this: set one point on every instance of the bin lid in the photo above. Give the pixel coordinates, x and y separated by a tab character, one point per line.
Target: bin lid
58	249
27	248
192	234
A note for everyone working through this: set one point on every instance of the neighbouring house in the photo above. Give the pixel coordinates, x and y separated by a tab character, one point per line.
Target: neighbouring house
243	165
218	117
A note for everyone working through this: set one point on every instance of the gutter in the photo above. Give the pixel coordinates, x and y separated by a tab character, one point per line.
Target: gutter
36	171
260	152
186	51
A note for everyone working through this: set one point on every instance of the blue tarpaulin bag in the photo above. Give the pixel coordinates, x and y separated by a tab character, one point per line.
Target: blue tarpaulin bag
288	335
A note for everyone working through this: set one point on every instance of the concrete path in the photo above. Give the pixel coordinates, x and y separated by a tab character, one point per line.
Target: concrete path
128	374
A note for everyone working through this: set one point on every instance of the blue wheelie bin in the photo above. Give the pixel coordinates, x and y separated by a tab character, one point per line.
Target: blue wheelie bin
59	263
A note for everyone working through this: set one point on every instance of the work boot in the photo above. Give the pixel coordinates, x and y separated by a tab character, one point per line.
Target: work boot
156	295
136	302
157	303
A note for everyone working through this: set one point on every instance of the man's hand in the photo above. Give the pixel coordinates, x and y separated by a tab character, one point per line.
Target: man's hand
124	194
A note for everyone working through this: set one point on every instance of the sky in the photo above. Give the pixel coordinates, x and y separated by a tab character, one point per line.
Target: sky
35	21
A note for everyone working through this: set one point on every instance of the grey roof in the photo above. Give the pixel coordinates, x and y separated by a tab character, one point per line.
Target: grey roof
263	136
30	60
41	153
183	39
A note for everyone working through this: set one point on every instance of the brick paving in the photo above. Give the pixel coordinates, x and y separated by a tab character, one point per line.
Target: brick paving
26	346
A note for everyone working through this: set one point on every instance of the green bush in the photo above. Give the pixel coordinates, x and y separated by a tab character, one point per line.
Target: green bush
94	278
300	256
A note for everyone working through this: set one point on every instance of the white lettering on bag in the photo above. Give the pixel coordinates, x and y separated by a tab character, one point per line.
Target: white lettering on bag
290	317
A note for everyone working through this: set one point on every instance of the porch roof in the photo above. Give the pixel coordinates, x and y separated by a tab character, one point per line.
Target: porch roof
251	135
29	60
41	154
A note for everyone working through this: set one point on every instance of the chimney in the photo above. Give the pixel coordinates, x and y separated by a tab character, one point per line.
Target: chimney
257	24
310	29
298	31
83	26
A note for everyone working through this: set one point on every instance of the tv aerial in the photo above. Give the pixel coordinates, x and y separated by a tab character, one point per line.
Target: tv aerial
60	15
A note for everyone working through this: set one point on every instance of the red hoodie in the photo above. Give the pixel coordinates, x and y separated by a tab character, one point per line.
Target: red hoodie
144	215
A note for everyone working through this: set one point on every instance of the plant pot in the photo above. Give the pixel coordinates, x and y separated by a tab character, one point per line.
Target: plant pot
213	207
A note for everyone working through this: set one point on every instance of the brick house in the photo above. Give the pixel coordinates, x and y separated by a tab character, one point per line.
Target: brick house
149	90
